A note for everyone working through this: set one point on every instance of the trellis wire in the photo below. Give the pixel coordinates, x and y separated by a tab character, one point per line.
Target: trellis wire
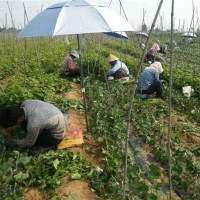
132	101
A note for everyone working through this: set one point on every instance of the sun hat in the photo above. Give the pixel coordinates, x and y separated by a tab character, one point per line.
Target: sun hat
74	53
154	49
112	58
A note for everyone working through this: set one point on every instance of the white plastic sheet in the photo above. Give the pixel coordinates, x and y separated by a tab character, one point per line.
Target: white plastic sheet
187	91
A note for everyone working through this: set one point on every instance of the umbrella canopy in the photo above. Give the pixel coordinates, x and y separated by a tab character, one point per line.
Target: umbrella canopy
141	34
121	35
75	17
189	35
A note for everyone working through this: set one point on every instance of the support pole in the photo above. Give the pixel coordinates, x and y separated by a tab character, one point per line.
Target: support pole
25	15
170	102
11	16
143	19
82	83
132	102
25	43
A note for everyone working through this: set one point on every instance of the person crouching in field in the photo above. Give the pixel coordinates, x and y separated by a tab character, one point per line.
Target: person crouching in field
43	123
117	69
70	68
149	82
150	56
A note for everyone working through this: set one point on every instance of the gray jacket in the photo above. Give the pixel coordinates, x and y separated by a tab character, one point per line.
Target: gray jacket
39	116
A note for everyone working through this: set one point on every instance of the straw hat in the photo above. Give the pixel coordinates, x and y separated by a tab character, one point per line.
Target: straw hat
74	53
112	58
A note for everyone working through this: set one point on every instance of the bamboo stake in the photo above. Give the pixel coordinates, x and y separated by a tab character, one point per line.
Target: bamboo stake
6	21
25	15
121	8
143	19
193	34
25	44
109	3
170	102
13	25
197	23
132	102
82	83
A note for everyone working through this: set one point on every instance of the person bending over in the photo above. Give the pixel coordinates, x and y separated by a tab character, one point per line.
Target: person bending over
149	82
43	122
150	56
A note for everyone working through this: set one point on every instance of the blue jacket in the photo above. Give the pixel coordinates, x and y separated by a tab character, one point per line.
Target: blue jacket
147	77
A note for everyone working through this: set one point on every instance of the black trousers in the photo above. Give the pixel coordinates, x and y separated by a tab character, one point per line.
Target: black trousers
149	57
45	138
156	86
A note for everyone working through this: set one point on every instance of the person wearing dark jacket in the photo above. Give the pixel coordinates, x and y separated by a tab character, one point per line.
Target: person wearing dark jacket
70	68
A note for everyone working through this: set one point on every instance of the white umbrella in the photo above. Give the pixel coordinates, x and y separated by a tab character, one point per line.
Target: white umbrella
121	35
189	35
75	17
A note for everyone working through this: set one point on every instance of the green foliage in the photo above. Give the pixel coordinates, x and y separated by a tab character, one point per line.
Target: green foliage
44	171
32	72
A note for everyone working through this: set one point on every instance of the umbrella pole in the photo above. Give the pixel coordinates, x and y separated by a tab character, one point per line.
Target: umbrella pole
82	83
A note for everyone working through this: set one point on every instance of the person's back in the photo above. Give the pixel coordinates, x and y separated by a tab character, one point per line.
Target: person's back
44	124
43	114
68	64
147	77
149	80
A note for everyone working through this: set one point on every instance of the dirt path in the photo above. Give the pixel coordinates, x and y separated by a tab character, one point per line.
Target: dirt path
79	190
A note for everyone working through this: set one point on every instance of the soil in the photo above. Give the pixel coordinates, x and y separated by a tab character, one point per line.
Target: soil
91	150
175	119
187	138
190	141
78	190
34	194
75	120
75	93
